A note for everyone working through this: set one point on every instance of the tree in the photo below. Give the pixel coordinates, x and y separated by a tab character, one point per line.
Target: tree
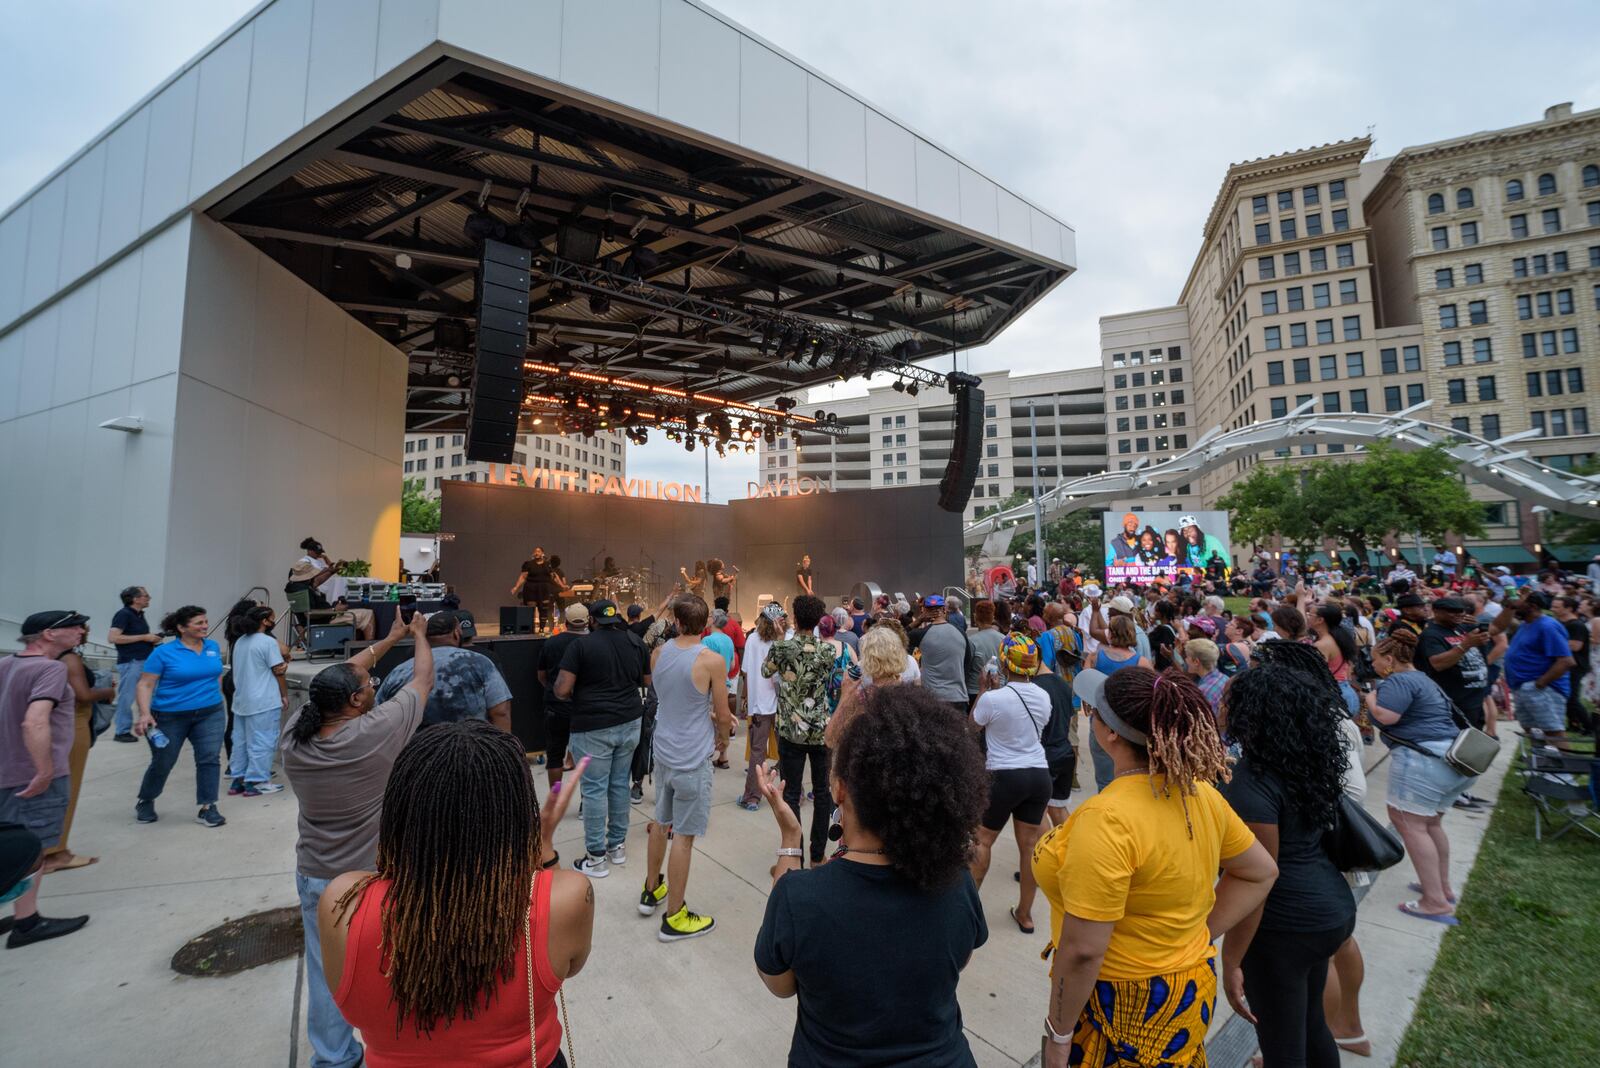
1075	538
418	514
1271	501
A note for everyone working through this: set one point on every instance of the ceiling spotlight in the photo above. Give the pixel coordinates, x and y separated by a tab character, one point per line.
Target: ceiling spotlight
688	443
917	300
899	386
402	260
452	380
538	421
599	303
912	388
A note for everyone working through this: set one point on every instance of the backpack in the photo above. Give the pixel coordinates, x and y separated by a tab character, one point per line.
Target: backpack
1235	658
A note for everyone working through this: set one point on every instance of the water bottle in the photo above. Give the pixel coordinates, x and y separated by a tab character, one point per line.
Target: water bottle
157	737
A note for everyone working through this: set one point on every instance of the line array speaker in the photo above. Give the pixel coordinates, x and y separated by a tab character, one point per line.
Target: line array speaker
501	347
966	449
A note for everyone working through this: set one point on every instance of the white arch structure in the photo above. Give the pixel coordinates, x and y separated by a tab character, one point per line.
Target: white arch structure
1493	463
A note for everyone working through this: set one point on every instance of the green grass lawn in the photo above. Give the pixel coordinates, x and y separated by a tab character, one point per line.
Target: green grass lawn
1519	981
1237	606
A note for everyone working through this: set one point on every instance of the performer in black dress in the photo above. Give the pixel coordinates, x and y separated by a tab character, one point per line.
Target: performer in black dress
536	586
802	576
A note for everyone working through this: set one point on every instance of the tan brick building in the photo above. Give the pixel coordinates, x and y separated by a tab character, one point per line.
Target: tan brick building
1466	272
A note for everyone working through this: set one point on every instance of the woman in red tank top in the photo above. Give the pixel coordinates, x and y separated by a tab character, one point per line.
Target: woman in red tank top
462	936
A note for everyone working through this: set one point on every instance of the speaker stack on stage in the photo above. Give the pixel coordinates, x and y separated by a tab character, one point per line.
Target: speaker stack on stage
966	446
502	346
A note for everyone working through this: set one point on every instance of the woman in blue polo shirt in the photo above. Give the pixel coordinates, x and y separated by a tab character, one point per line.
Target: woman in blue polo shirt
180	691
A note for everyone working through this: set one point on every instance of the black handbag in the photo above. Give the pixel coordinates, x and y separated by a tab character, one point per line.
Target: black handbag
1357	842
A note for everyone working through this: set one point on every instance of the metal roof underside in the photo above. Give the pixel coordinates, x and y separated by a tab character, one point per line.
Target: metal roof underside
683	229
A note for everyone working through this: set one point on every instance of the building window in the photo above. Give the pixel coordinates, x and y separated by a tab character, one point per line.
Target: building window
1559	261
1441	238
900	476
994	450
1414	394
1328	367
888	478
1482	350
1358	400
1591	177
1273	337
1519	226
1435	203
1264	269
1319	295
1514	189
1263	233
438	462
1138	379
1324	331
1344	255
1313	224
1535	384
1389	361
1286	200
1122	425
1491	430
1473	273
1486	390
1319	259
1547	185
1297	335
1463	198
1558	422
1469	234
1296	298
1569	340
1278	407
1352	328
1574	380
1354	364
1258	205
1336	189
1580	420
1447	317
1286	228
1341	219
992	431
1456	390
1550	219
1593	208
1452	354
1461	423
1269	302
1141	422
1519	267
408	467
1525	306
1291	263
1391	399
1275	372
1411	358
887	422
1302	370
1347	291
1477	312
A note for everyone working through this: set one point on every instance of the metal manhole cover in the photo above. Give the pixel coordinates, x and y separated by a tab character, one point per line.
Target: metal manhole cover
247	942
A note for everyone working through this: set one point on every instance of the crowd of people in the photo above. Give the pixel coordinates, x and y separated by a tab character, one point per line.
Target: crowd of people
1218	741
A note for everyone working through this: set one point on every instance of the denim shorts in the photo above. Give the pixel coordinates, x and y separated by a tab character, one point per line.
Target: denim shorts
683	798
1423	785
44	815
1537	709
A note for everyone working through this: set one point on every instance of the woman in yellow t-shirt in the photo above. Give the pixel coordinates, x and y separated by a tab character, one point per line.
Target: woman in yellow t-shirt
1131	878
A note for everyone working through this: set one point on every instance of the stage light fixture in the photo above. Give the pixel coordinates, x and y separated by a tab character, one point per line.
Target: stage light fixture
899	386
913	389
481	225
688	443
599	303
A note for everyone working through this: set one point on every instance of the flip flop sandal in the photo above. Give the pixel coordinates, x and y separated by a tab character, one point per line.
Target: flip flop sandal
78	861
1416	888
1013	912
1353	1040
1411	908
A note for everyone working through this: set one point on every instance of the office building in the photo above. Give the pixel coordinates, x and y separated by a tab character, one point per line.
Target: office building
897	438
434	458
1465	272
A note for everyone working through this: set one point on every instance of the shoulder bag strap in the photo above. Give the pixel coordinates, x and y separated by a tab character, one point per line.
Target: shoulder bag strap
1029	712
561	994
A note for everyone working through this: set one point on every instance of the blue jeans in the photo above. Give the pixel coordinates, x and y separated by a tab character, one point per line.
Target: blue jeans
255	738
605	783
127	681
1104	769
203	727
333	1042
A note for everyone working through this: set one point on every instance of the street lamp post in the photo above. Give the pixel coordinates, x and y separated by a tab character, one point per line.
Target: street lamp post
1038	508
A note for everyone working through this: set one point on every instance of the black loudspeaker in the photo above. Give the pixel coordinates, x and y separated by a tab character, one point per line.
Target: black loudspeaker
966	449
576	243
516	619
502	345
328	638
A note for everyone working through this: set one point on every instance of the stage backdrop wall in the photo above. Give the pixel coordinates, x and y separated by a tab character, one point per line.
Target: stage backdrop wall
898	538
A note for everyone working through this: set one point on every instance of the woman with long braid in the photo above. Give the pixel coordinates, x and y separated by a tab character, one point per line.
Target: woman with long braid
1131	878
454	950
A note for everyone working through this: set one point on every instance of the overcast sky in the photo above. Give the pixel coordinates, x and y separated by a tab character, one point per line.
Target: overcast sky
1119	118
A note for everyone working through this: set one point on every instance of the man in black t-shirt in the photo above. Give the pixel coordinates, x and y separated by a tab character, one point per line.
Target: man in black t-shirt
1057	741
602	675
558	713
1565	609
1450	652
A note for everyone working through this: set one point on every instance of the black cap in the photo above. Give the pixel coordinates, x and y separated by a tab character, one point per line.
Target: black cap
1533	597
635	611
441	623
1410	600
605	613
1450	604
40	622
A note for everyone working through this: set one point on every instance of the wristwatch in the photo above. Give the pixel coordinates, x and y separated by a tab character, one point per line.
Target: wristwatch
1050	1033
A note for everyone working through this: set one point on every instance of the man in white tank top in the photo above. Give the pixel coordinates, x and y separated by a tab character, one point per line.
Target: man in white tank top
693	725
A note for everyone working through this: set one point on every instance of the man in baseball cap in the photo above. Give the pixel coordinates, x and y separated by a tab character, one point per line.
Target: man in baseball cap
1124	547
34	787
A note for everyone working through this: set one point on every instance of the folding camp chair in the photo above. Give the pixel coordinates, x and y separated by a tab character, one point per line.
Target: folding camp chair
302	615
1552	782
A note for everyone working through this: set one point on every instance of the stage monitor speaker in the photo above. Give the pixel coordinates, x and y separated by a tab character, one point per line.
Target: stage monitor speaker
516	619
502	344
966	449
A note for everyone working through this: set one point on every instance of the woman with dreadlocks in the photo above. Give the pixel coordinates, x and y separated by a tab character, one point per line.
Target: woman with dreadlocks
1286	786
1131	878
455	949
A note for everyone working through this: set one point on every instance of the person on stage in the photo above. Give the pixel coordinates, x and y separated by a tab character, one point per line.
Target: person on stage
695	583
721	580
802	576
536	586
318	572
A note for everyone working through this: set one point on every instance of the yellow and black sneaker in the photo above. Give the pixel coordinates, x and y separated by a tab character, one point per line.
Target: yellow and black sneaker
650	900
684	924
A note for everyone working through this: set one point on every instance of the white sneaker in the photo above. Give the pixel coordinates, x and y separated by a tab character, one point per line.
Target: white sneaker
618	854
593	867
252	789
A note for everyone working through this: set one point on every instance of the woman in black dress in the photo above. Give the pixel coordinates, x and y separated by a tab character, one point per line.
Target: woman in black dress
536	586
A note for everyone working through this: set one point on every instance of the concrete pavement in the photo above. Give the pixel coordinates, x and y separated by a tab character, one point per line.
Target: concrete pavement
108	994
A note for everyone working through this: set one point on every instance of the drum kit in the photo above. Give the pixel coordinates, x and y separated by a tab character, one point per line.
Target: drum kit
624	587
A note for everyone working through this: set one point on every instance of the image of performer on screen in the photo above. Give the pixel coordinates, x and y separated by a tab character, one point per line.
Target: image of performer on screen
1124	548
536	586
1199	546
1149	546
802	576
1173	553
695	583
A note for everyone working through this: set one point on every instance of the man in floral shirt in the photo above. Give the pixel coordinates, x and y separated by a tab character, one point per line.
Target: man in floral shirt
802	666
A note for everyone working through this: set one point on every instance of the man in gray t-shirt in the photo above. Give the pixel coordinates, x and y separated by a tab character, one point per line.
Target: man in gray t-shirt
466	684
944	656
